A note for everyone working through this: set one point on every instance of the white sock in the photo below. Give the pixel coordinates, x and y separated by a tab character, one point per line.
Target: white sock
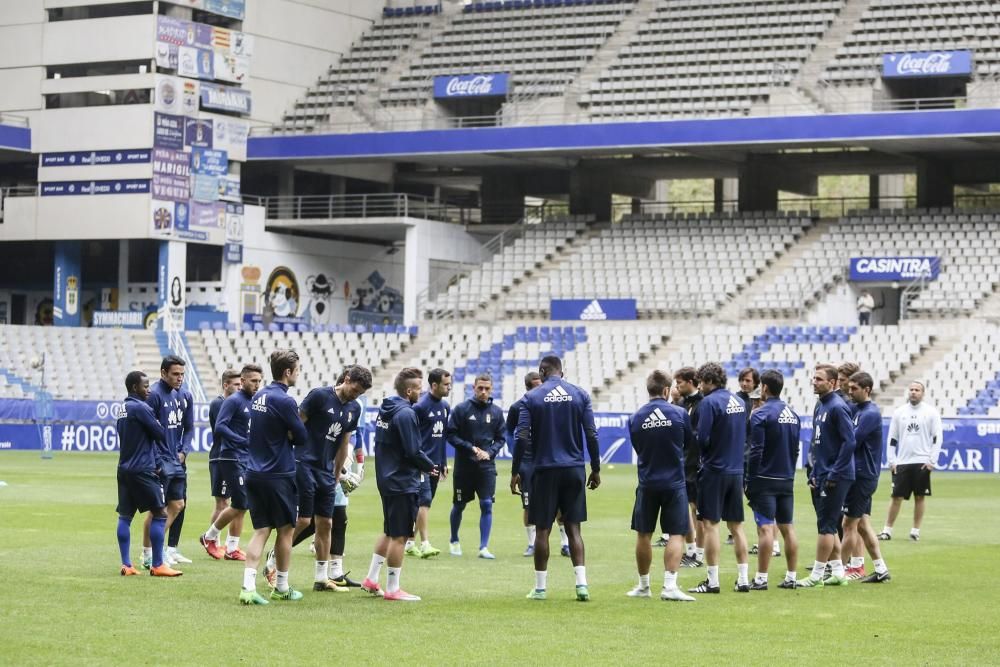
530	530
880	566
761	577
887	530
915	531
644	580
232	544
857	561
689	549
147	552
580	572
249	579
376	567
425	544
212	533
790	576
742	570
392	579
669	580
282	584
837	568
563	540
713	575
540	579
699	553
818	570
321	570
336	568
408	545
171	550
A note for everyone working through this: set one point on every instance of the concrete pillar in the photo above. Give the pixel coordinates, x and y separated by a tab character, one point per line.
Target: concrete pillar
758	186
416	274
589	195
726	193
172	285
501	198
886	191
123	259
935	184
286	190
661	191
68	284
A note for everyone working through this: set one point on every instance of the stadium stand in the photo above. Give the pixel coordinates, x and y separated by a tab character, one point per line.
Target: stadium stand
966	241
700	262
323	355
881	351
350	78
80	364
509	266
542	45
710	57
593	355
966	381
893	26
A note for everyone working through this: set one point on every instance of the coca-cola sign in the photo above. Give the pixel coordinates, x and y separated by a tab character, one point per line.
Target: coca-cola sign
470	85
927	64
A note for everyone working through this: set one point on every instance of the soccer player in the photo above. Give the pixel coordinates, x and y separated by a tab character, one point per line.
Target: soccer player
658	432
774	450
399	462
338	532
722	435
138	484
686	381
187	437
432	416
555	419
231	432
915	439
476	431
831	477
230	385
167	403
275	428
331	416
520	479
749	379
867	465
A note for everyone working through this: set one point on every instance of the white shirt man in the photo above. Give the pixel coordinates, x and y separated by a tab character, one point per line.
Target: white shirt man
915	438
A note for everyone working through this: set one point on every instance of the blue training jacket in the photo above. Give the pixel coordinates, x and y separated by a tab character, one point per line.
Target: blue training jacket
232	428
658	431
398	457
475	424
213	416
167	405
868	441
273	415
556	419
774	441
722	432
138	433
327	420
833	440
432	420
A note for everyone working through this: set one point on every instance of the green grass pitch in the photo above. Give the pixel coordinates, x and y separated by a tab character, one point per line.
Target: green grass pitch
66	604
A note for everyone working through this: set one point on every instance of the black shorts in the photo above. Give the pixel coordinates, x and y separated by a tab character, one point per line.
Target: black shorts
398	514
229	481
670	505
720	496
428	489
174	486
470	482
558	491
272	500
773	499
527	473
317	490
911	478
139	492
859	499
830	505
691	486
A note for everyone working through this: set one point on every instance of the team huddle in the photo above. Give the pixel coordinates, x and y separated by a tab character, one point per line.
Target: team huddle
700	450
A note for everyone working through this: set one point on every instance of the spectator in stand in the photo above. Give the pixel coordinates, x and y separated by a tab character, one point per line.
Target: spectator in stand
866	304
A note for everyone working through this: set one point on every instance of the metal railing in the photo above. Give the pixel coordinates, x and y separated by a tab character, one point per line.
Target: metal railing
379	205
389	123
